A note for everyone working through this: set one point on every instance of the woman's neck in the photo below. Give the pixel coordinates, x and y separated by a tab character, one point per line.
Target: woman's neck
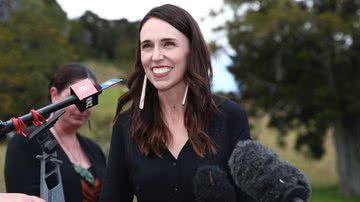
70	145
65	133
171	102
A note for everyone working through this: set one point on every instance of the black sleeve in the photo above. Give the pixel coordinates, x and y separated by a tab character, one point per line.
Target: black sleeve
238	127
116	186
101	154
22	169
100	163
237	122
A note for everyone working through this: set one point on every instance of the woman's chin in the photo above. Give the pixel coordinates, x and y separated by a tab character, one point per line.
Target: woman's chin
78	122
162	86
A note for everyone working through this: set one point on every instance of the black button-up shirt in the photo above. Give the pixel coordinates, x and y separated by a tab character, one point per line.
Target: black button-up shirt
166	179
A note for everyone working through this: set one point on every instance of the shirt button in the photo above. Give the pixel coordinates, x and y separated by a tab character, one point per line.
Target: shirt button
175	189
174	163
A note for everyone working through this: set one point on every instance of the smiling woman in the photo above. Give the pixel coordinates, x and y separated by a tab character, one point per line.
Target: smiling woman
174	125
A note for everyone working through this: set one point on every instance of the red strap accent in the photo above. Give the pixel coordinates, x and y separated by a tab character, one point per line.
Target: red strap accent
36	116
19	124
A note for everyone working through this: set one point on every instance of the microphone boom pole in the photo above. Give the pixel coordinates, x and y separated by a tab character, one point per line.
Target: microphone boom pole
8	126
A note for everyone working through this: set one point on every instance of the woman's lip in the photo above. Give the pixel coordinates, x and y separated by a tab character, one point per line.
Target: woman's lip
160	66
161	75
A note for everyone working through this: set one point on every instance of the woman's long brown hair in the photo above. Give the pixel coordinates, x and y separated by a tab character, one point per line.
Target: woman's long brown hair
147	125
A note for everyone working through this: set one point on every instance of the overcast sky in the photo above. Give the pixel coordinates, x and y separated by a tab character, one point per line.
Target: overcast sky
135	9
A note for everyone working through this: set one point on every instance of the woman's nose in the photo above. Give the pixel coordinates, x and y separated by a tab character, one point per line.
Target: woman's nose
157	54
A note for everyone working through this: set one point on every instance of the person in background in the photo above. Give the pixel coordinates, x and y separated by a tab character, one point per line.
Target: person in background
174	124
84	162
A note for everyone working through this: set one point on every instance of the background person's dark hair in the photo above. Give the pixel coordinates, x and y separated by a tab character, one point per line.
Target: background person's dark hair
148	127
68	74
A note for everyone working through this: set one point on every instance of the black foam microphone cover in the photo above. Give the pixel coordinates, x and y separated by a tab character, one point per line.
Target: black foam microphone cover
261	174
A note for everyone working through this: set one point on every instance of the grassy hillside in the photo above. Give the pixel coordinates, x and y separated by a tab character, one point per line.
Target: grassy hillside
319	172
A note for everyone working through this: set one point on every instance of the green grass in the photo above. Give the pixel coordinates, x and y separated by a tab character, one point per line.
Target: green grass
2	160
101	119
330	194
105	70
320	173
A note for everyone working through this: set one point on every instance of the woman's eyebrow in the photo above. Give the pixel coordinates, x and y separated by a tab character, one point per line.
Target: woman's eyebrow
145	41
168	39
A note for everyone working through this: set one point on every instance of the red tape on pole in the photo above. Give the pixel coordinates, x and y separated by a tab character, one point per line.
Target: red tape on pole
36	116
19	125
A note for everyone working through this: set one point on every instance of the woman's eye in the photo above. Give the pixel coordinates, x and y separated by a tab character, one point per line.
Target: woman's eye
145	46
169	43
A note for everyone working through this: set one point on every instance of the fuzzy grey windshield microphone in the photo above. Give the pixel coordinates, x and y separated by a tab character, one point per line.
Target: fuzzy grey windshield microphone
260	173
211	184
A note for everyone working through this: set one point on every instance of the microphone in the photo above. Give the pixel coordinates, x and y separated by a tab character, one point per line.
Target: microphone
261	174
211	184
83	94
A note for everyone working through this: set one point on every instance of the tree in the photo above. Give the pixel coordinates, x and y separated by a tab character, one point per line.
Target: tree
113	40
33	43
298	61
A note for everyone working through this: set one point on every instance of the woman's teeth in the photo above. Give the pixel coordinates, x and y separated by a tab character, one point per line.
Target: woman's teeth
161	70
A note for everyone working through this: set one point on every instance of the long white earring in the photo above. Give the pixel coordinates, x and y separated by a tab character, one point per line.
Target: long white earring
185	94
142	98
